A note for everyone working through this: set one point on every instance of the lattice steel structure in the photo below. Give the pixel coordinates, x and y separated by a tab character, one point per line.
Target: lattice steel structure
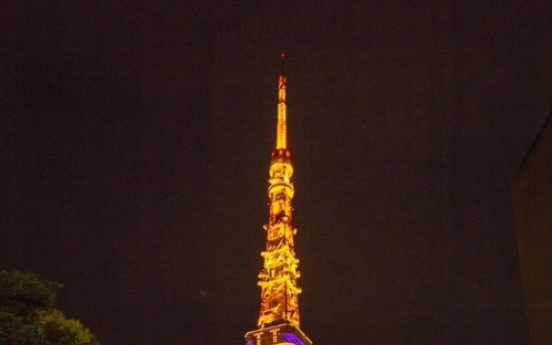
279	313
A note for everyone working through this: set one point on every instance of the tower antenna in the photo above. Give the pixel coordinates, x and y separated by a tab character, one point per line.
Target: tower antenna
281	127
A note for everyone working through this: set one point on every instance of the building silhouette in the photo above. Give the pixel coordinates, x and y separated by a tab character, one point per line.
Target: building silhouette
532	204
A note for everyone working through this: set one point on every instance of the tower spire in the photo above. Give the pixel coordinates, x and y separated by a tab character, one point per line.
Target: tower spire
279	313
281	127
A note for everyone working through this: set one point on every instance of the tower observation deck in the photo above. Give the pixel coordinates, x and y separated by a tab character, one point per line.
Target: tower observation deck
278	320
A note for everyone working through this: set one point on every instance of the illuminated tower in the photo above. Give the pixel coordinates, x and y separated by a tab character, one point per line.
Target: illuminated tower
279	315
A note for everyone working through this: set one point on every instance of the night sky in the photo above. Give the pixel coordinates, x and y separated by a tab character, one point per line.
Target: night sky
135	142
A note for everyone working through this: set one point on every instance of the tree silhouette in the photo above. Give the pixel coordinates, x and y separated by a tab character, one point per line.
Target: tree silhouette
28	316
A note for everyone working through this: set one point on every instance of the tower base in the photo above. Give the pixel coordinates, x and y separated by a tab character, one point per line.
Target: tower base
283	333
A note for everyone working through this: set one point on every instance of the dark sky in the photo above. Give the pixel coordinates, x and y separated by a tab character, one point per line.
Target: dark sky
135	141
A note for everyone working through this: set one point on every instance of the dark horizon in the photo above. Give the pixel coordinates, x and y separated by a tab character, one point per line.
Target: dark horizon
136	139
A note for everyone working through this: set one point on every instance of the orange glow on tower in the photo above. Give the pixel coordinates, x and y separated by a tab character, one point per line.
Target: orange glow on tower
281	127
278	320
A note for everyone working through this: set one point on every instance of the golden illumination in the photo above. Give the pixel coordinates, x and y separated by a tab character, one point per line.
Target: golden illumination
281	130
278	277
279	313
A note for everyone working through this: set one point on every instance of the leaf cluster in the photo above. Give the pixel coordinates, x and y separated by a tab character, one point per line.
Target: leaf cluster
23	293
28	316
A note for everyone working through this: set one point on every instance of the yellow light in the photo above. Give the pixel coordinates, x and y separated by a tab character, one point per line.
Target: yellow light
281	128
278	278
